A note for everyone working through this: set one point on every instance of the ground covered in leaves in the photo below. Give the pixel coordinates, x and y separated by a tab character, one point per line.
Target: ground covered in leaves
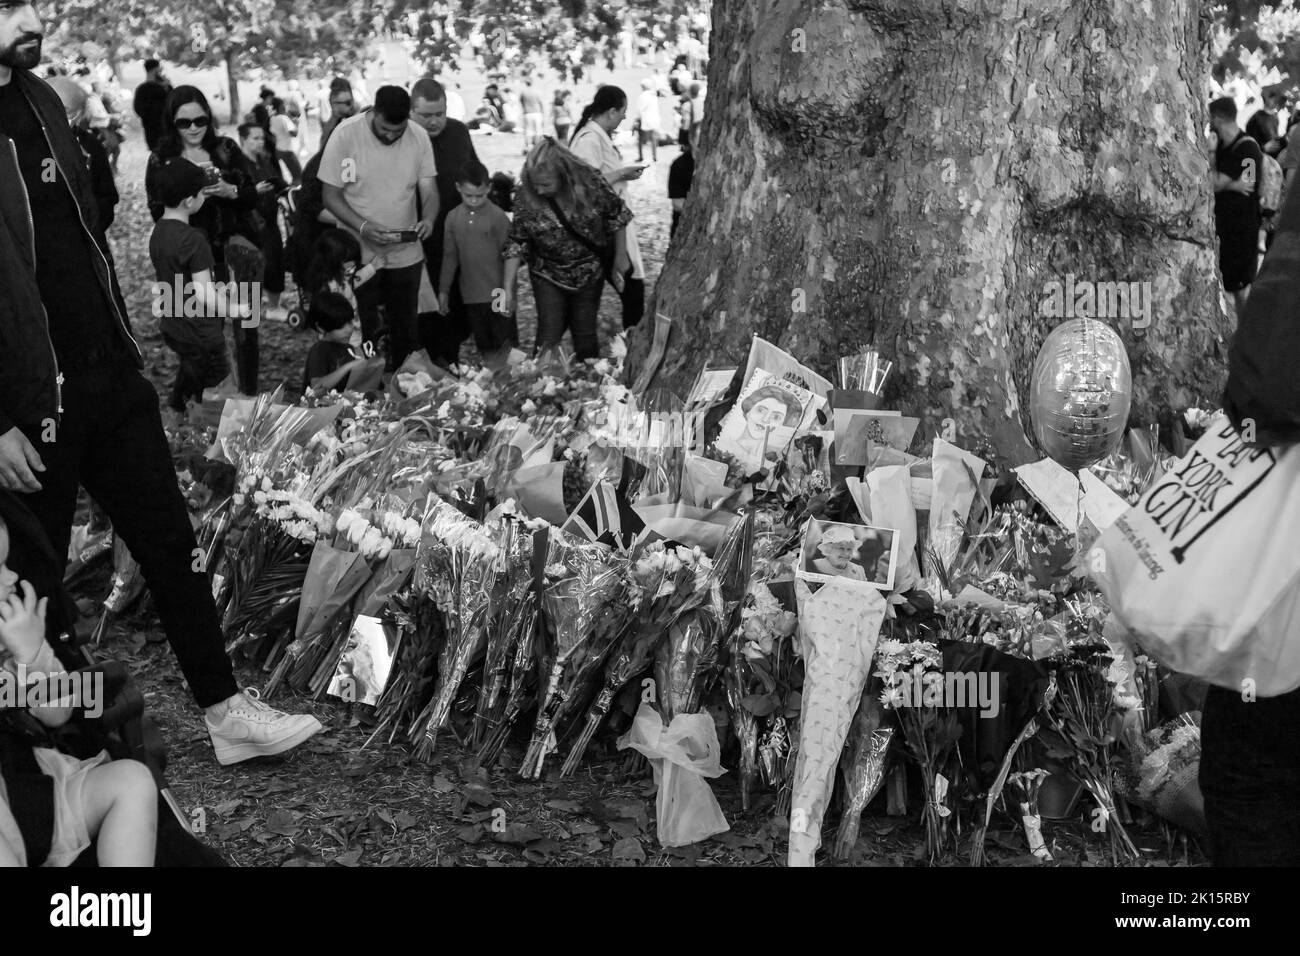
336	801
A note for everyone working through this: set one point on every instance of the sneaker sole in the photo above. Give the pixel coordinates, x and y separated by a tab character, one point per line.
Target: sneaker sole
238	753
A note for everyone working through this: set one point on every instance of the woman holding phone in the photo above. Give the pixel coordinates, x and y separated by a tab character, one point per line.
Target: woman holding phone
228	218
592	143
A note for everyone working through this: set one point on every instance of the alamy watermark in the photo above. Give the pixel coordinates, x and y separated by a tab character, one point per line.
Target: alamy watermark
919	687
1130	302
30	689
193	300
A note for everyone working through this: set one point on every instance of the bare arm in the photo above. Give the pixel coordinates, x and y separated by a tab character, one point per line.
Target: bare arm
429	203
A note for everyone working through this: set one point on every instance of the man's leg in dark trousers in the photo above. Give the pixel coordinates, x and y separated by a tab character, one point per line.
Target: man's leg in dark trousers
127	467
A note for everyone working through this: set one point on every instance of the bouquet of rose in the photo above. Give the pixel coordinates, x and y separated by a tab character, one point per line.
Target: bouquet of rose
664	584
463	559
753	691
930	729
581	579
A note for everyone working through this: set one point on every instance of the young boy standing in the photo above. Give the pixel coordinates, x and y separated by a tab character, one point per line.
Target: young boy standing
475	234
182	262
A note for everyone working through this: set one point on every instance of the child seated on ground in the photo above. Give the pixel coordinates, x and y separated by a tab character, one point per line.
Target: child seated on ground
72	801
331	360
192	311
473	237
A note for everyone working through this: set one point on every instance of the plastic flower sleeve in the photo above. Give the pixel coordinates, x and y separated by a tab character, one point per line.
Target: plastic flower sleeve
681	756
838	630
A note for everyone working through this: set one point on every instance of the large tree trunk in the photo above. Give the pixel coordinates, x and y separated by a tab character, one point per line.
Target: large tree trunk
915	172
232	81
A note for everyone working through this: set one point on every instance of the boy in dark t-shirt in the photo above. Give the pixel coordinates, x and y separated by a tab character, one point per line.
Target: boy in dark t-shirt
330	360
184	299
1238	161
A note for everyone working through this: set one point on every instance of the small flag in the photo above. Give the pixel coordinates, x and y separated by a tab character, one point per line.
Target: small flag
605	517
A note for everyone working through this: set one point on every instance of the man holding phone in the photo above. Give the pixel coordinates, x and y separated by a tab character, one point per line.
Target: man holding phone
374	167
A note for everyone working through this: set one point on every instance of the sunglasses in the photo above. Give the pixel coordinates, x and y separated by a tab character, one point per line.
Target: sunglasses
199	122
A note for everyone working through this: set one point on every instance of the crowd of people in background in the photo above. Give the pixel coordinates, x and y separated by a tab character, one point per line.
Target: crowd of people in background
277	197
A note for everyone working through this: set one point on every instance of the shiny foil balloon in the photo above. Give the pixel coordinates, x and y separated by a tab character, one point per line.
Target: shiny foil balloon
1080	393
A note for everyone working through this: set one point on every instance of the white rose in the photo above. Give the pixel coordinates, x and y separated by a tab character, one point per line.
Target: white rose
357	531
385	548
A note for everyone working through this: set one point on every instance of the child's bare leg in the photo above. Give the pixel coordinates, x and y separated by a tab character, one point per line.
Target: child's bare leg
122	811
8	857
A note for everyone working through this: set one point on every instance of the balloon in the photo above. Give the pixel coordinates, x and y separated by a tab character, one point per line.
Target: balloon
1080	393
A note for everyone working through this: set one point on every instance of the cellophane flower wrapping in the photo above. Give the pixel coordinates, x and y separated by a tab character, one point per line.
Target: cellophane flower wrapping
839	626
665	583
1162	772
909	673
582	578
862	765
465	558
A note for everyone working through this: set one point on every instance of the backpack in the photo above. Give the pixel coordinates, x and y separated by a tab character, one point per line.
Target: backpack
1270	185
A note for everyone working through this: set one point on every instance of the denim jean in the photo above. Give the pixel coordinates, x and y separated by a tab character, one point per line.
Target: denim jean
397	293
111	441
1250	778
559	310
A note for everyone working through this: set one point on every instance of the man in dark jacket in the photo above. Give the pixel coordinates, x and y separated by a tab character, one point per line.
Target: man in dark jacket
74	408
442	335
151	102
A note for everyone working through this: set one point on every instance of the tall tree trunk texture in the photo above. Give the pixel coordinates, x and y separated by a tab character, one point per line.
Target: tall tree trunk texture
232	80
915	172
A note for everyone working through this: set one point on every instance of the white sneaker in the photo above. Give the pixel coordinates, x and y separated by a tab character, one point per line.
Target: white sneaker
256	730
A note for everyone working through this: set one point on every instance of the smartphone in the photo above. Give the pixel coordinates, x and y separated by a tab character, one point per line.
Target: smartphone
212	174
408	235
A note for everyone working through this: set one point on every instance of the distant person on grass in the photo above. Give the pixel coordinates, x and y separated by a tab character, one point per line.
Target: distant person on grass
151	101
1237	164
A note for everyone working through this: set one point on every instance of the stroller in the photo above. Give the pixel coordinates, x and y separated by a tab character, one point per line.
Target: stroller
121	729
288	218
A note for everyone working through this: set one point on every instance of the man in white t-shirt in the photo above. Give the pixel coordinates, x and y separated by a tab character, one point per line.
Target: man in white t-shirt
371	172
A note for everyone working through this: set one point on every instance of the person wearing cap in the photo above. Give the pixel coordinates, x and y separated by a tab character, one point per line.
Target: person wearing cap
838	547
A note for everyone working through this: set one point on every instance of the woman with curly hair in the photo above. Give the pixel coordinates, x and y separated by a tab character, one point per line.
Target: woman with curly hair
569	226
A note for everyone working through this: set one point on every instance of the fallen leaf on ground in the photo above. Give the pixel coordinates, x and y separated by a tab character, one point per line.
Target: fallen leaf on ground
628	852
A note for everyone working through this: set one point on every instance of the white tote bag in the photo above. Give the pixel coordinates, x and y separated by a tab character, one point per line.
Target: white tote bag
1205	570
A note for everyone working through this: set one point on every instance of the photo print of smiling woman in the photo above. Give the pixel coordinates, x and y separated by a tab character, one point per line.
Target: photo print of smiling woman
854	552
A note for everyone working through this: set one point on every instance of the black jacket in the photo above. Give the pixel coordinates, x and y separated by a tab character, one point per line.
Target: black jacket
30	382
1263	390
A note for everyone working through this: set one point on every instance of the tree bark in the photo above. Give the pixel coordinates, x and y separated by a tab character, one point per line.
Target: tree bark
232	81
914	173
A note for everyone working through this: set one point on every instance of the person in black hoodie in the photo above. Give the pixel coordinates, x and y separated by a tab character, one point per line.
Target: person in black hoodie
75	410
1250	750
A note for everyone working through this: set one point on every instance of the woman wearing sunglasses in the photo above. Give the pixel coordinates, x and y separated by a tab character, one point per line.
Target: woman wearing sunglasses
228	218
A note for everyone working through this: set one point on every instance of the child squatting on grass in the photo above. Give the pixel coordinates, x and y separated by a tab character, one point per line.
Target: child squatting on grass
114	803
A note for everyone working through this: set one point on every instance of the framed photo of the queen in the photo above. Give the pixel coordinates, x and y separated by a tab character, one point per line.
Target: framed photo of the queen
863	555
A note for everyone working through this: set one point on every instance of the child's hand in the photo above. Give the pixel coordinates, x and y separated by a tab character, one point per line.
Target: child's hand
22	624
